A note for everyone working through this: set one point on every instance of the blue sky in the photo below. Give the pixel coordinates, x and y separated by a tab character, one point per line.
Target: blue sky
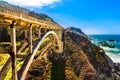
92	16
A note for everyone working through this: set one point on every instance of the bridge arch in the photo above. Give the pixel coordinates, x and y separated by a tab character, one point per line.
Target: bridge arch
46	35
26	65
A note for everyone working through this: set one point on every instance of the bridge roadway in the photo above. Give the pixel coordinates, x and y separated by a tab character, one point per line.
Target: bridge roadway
19	21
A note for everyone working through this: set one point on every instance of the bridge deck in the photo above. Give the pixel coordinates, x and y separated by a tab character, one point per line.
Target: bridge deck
7	16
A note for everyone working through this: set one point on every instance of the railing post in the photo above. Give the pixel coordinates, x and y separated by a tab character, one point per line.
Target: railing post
13	53
60	39
30	39
39	33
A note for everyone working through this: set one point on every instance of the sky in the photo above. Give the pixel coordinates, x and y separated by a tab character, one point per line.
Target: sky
91	16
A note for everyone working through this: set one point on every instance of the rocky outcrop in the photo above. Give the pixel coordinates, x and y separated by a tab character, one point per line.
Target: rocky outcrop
76	30
117	70
105	43
85	60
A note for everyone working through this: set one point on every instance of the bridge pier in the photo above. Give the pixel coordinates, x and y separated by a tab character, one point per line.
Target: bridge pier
39	32
30	39
45	30
13	52
26	34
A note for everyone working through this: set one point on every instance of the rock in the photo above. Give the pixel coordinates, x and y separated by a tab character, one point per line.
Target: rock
76	30
117	66
111	40
118	73
104	43
111	45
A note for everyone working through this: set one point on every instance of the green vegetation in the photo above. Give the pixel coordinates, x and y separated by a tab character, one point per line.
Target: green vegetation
3	58
25	51
41	16
9	74
20	61
44	43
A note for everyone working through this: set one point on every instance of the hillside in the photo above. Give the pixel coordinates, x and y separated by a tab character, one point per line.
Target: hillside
13	7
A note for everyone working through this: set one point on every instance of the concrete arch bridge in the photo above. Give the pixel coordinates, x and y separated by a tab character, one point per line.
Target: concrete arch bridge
33	33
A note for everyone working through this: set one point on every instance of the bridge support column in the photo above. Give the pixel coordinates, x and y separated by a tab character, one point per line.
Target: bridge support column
59	33
26	34
30	39
45	30
13	53
39	33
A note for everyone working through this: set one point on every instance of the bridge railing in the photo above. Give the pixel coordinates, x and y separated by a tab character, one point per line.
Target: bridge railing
25	16
7	11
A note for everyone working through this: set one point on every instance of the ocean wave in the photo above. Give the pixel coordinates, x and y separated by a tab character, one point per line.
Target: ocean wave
113	53
108	48
115	57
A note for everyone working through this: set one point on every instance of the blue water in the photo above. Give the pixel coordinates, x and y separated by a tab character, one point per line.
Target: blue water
106	37
113	53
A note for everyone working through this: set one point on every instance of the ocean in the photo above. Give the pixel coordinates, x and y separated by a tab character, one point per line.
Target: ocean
112	51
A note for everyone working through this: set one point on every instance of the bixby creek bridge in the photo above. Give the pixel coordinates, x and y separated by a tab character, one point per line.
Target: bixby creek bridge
32	28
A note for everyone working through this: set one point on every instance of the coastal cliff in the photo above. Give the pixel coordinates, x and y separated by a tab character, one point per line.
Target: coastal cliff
88	61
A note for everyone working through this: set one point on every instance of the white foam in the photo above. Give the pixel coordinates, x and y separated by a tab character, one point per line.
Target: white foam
115	57
108	49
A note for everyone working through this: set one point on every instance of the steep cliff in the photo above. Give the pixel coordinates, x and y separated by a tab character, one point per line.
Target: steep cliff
85	60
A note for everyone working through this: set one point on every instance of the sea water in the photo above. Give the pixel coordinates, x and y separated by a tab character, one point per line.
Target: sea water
114	52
